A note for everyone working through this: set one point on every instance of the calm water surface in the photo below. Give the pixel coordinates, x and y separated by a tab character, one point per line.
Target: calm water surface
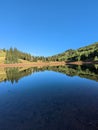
55	98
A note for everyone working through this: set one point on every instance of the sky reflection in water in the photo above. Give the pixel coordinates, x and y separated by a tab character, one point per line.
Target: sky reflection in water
49	99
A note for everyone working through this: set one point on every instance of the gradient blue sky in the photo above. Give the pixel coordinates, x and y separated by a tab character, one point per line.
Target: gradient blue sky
47	27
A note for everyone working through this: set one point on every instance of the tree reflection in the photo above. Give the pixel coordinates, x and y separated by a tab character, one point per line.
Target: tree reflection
84	71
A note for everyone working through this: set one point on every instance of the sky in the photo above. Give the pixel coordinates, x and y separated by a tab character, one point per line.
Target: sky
48	27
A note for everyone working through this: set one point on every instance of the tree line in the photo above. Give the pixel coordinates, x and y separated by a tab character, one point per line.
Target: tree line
88	53
13	55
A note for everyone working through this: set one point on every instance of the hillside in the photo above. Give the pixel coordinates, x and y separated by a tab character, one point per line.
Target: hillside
87	53
2	56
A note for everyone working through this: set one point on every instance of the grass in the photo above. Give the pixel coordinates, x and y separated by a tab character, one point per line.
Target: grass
24	61
2	59
2	53
2	56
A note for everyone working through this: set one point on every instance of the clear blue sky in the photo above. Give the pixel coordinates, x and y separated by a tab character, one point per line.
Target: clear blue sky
47	27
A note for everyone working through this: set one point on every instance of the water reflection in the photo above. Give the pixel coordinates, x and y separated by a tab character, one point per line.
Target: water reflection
49	100
84	71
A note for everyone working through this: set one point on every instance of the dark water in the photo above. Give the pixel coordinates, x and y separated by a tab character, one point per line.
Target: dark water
49	98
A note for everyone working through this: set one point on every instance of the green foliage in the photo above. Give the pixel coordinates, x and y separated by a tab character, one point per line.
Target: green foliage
96	58
88	53
13	56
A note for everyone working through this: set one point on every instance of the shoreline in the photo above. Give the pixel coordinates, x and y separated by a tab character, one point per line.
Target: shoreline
80	62
42	64
33	64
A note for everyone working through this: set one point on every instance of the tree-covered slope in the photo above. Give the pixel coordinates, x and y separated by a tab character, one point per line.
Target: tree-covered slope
87	53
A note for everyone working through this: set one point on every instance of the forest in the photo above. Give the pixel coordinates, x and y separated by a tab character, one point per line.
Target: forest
86	54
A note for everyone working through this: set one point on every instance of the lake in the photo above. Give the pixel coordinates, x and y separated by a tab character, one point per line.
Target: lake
49	98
